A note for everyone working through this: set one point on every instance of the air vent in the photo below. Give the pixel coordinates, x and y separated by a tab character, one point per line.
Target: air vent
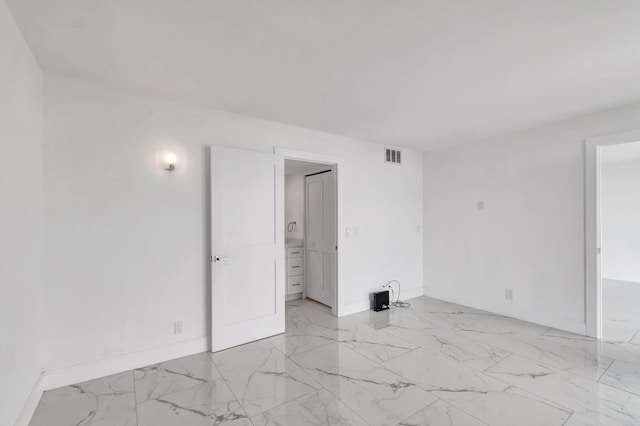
392	156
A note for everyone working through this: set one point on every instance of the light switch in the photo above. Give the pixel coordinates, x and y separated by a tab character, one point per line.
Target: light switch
347	232
356	231
480	205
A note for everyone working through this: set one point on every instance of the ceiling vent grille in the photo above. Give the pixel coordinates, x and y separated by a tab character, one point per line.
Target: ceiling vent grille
393	156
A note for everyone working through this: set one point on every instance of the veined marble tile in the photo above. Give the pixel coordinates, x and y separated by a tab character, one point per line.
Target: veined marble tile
428	305
618	331
290	343
107	401
171	376
549	374
373	344
485	398
566	351
620	314
441	413
319	408
302	321
376	394
469	352
623	374
593	403
620	350
574	353
301	332
262	377
496	324
210	403
379	320
446	315
307	309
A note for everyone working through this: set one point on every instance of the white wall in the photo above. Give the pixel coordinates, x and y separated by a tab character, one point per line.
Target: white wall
620	195
294	205
530	236
127	244
21	247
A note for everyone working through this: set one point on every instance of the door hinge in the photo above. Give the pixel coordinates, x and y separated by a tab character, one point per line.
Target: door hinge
598	250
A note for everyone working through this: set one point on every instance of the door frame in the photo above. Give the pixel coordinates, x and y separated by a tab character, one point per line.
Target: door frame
593	226
291	154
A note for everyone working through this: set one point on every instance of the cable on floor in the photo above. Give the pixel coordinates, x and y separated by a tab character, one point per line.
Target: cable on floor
397	302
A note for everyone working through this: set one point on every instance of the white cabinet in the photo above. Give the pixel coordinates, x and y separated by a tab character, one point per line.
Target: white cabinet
295	270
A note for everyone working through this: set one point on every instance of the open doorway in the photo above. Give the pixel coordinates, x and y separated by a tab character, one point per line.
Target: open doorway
612	237
620	241
311	231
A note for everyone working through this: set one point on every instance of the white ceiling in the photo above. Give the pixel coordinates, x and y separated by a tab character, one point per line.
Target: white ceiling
403	72
621	152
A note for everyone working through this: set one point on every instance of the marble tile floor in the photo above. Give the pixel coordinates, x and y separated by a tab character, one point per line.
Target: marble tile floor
620	313
435	363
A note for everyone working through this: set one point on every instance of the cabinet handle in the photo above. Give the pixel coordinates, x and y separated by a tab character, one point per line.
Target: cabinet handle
295	266
293	285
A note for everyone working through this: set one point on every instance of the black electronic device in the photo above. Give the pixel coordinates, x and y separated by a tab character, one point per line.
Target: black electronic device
381	300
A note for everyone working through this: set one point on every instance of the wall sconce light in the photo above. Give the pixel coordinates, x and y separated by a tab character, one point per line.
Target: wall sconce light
170	160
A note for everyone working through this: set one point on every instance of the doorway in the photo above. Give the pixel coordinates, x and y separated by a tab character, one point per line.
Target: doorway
620	224
311	231
612	184
249	258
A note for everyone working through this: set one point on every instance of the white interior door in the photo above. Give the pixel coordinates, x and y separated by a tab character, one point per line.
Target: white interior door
321	238
247	243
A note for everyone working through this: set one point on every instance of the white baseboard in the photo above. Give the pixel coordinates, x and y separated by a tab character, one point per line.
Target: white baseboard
105	367
564	324
411	293
31	404
365	305
354	308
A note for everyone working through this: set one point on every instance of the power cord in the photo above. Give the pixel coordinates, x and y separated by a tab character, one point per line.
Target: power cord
397	303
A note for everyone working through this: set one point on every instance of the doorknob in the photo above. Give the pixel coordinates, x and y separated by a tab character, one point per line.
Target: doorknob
217	259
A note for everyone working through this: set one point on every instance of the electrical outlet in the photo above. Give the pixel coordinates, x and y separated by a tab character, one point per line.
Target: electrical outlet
480	205
177	327
508	294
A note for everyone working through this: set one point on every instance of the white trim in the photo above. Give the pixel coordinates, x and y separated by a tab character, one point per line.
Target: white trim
411	293
29	407
105	367
354	308
593	280
558	323
338	308
93	370
365	305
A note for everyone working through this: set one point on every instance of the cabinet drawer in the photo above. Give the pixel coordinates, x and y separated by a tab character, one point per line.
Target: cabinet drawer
294	252
295	266
294	284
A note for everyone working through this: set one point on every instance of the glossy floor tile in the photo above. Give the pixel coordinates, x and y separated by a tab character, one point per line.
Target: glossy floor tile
435	363
620	313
